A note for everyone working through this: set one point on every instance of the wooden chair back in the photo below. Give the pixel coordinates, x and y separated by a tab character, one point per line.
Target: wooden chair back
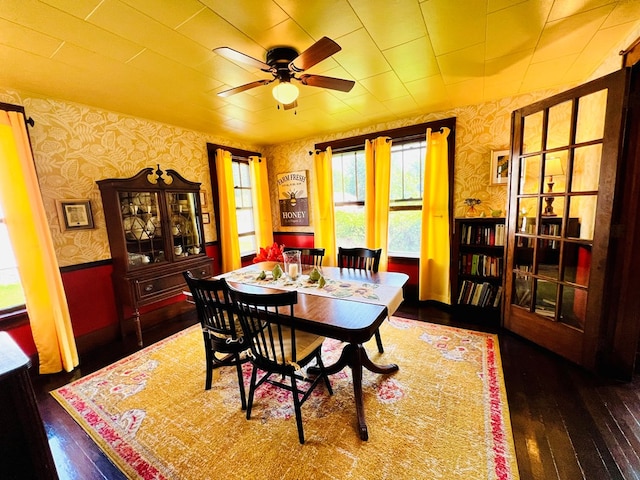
359	258
309	256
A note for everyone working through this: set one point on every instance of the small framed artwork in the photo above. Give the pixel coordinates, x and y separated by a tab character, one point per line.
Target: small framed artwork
76	214
203	198
206	218
499	167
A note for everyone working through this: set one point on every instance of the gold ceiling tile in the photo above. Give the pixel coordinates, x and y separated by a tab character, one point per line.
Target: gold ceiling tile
319	20
454	25
390	23
623	12
168	12
23	38
538	78
78	8
498	90
506	71
603	41
252	17
516	28
401	105
212	31
134	26
425	89
458	66
469	92
68	27
287	33
384	86
358	64
566	9
413	60
569	35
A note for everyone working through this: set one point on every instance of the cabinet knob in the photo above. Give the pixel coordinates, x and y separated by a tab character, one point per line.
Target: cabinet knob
203	272
148	288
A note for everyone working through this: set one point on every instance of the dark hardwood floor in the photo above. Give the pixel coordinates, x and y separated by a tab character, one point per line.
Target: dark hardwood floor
567	423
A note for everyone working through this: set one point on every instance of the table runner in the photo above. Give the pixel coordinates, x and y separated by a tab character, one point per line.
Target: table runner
367	292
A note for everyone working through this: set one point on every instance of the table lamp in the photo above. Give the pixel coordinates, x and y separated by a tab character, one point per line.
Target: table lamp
552	167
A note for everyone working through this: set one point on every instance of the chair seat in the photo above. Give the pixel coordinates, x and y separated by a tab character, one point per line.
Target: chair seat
306	343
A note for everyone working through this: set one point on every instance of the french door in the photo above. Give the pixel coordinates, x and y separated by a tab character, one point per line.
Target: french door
564	163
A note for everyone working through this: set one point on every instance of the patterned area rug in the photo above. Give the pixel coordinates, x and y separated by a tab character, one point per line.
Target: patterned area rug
443	415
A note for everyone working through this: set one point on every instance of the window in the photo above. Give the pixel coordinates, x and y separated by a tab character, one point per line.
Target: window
11	294
244	206
405	203
348	195
408	151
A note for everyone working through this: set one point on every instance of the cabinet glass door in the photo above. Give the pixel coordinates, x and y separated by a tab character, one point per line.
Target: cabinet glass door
562	175
142	228
186	234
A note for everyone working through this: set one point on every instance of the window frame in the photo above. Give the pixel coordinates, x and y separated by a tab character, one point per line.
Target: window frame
237	153
401	135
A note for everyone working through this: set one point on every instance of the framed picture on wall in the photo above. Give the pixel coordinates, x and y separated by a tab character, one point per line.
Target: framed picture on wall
206	218
76	214
499	167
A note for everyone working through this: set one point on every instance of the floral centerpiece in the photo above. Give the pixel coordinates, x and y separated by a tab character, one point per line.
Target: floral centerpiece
270	253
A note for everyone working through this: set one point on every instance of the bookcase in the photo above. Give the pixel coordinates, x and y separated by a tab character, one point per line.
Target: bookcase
477	267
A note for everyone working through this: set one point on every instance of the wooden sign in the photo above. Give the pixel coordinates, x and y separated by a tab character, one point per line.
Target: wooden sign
293	198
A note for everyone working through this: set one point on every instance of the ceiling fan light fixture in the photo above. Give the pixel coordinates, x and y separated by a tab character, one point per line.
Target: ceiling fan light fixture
285	92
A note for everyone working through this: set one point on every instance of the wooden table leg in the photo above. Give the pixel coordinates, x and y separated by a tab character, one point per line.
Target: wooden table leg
355	356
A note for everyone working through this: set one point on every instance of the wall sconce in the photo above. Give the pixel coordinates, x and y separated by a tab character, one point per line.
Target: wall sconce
285	92
552	167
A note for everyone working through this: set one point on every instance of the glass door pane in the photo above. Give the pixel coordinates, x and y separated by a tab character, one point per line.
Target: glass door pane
142	228
187	238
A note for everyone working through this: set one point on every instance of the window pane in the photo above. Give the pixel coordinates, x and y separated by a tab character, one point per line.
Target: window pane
349	226
245	220
405	228
248	245
591	115
559	124
11	294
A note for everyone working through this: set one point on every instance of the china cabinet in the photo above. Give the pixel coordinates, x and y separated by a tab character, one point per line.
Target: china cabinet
154	224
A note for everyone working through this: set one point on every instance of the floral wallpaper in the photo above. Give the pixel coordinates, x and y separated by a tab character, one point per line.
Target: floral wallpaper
75	145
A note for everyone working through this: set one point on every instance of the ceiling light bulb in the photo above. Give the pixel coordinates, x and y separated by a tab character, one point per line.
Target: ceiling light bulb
285	93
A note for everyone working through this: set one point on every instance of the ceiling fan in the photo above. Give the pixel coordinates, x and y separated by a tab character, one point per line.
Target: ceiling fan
286	64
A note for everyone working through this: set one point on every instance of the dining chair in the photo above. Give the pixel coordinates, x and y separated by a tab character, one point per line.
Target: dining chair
362	259
277	348
309	256
224	339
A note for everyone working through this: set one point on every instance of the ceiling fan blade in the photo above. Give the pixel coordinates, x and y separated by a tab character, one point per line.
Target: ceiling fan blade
236	56
322	49
242	88
327	82
289	106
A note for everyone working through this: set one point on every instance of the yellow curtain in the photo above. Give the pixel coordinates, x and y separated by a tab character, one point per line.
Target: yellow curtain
376	206
229	244
33	247
261	201
434	245
322	208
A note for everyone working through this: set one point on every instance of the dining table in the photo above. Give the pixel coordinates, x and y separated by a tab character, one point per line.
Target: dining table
348	305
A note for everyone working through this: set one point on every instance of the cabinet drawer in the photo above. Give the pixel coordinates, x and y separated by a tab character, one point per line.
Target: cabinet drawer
166	285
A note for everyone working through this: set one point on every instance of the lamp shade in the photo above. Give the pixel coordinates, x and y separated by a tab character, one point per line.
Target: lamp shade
285	92
553	167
